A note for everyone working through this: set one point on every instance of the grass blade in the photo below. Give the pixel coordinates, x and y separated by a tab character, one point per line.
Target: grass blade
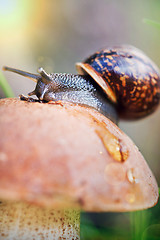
5	86
151	22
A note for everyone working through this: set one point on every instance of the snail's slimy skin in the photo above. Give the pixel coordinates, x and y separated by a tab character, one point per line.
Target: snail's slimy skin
77	89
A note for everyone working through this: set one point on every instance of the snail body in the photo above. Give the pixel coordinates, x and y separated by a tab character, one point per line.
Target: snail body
72	88
120	76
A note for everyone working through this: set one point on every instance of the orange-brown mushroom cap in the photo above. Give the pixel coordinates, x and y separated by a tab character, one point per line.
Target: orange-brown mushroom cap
64	155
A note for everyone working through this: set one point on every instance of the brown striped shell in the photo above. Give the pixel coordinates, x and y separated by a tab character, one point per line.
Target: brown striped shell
128	77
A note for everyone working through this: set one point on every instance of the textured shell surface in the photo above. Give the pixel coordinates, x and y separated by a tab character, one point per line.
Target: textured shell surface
132	76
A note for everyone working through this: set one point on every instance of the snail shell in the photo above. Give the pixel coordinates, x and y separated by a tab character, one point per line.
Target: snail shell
128	77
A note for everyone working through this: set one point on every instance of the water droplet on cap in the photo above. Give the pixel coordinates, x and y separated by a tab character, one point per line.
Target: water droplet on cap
114	173
115	147
130	198
131	175
3	157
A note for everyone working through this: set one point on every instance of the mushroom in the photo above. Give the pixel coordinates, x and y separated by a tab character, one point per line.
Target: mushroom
57	159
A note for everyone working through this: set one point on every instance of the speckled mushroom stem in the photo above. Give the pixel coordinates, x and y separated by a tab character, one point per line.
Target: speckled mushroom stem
23	221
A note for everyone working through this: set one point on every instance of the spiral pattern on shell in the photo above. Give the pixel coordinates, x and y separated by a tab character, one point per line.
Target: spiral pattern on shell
131	76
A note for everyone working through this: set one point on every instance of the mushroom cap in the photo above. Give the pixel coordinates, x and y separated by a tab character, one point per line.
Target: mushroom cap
65	155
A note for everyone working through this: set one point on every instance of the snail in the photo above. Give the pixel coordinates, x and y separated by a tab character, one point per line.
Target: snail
121	76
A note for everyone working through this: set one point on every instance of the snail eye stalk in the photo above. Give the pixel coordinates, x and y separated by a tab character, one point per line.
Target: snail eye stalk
34	77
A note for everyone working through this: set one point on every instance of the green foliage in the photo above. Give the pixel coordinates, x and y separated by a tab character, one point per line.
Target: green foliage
5	86
139	225
90	232
151	22
152	232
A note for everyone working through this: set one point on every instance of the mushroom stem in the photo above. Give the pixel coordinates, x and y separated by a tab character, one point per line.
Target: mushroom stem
23	221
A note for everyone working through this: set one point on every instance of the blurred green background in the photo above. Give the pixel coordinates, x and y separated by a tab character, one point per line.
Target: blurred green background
57	33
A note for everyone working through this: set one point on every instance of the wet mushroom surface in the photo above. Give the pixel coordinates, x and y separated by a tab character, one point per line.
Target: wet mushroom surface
58	159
